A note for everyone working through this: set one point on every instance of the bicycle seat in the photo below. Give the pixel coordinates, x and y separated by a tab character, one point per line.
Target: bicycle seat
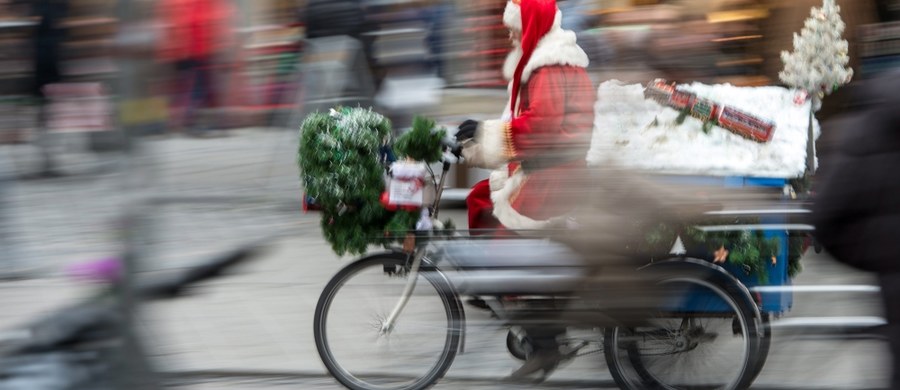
513	266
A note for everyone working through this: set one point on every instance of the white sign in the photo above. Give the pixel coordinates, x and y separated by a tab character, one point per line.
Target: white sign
78	107
409	192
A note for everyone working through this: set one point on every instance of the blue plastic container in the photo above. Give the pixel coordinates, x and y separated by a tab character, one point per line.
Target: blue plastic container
771	302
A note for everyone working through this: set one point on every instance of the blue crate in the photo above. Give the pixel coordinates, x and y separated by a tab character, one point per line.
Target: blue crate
771	302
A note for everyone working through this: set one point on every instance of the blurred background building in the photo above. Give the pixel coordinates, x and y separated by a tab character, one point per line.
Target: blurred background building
464	43
433	57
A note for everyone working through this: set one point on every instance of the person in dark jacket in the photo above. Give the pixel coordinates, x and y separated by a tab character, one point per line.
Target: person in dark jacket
47	42
857	208
329	18
325	18
48	39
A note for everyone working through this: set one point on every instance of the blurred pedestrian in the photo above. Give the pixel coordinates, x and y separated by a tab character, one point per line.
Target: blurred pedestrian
330	18
196	36
857	208
575	15
47	43
436	14
578	17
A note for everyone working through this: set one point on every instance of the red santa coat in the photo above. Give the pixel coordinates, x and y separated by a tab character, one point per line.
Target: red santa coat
542	148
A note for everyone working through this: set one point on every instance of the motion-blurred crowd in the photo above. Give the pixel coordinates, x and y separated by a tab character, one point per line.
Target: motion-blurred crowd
240	53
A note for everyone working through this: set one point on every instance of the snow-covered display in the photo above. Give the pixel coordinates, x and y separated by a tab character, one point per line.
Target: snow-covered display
818	63
639	133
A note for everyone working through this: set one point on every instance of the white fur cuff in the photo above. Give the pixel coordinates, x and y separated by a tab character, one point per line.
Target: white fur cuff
492	146
496	142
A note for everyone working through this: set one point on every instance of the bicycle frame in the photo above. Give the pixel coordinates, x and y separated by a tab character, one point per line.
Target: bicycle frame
388	324
418	254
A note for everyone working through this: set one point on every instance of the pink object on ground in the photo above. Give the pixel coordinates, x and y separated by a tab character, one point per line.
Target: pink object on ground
105	271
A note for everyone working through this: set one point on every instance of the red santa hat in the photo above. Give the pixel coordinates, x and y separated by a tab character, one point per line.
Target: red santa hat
534	19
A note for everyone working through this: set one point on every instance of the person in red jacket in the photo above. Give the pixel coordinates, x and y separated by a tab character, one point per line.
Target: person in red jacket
538	148
196	35
544	135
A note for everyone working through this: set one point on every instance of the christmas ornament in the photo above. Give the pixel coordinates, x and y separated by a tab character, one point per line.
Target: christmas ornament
424	223
720	255
801	97
386	202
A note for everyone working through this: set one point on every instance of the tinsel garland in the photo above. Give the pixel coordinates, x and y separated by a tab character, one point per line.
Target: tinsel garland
342	158
750	250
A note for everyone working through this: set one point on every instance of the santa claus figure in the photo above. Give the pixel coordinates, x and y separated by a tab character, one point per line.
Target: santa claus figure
541	142
538	148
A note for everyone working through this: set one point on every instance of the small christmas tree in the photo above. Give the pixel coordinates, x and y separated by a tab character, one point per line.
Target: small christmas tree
818	64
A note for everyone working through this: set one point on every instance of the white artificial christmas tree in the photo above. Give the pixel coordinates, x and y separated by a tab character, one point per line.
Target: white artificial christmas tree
818	64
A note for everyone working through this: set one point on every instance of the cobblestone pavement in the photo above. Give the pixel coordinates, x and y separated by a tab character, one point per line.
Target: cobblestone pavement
228	190
211	382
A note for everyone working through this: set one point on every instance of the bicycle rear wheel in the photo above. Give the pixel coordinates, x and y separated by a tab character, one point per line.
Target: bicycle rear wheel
706	336
419	349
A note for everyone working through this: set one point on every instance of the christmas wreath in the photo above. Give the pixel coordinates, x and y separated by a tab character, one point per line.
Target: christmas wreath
343	156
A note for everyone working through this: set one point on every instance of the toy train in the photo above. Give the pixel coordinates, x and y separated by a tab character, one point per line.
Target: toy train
729	118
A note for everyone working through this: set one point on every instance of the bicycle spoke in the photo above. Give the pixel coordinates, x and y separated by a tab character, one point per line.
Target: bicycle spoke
706	344
362	354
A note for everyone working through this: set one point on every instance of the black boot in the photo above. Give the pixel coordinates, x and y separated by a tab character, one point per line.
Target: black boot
545	357
538	366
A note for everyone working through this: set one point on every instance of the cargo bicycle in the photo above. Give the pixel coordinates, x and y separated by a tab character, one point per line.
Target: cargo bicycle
396	319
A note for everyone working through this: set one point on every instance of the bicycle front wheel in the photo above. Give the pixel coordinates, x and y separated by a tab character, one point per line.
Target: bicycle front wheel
350	337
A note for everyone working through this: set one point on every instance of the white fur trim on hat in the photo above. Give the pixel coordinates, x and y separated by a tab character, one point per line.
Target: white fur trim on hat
506	214
557	47
512	16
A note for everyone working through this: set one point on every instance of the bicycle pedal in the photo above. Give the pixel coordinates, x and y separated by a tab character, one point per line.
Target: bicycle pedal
478	303
571	352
